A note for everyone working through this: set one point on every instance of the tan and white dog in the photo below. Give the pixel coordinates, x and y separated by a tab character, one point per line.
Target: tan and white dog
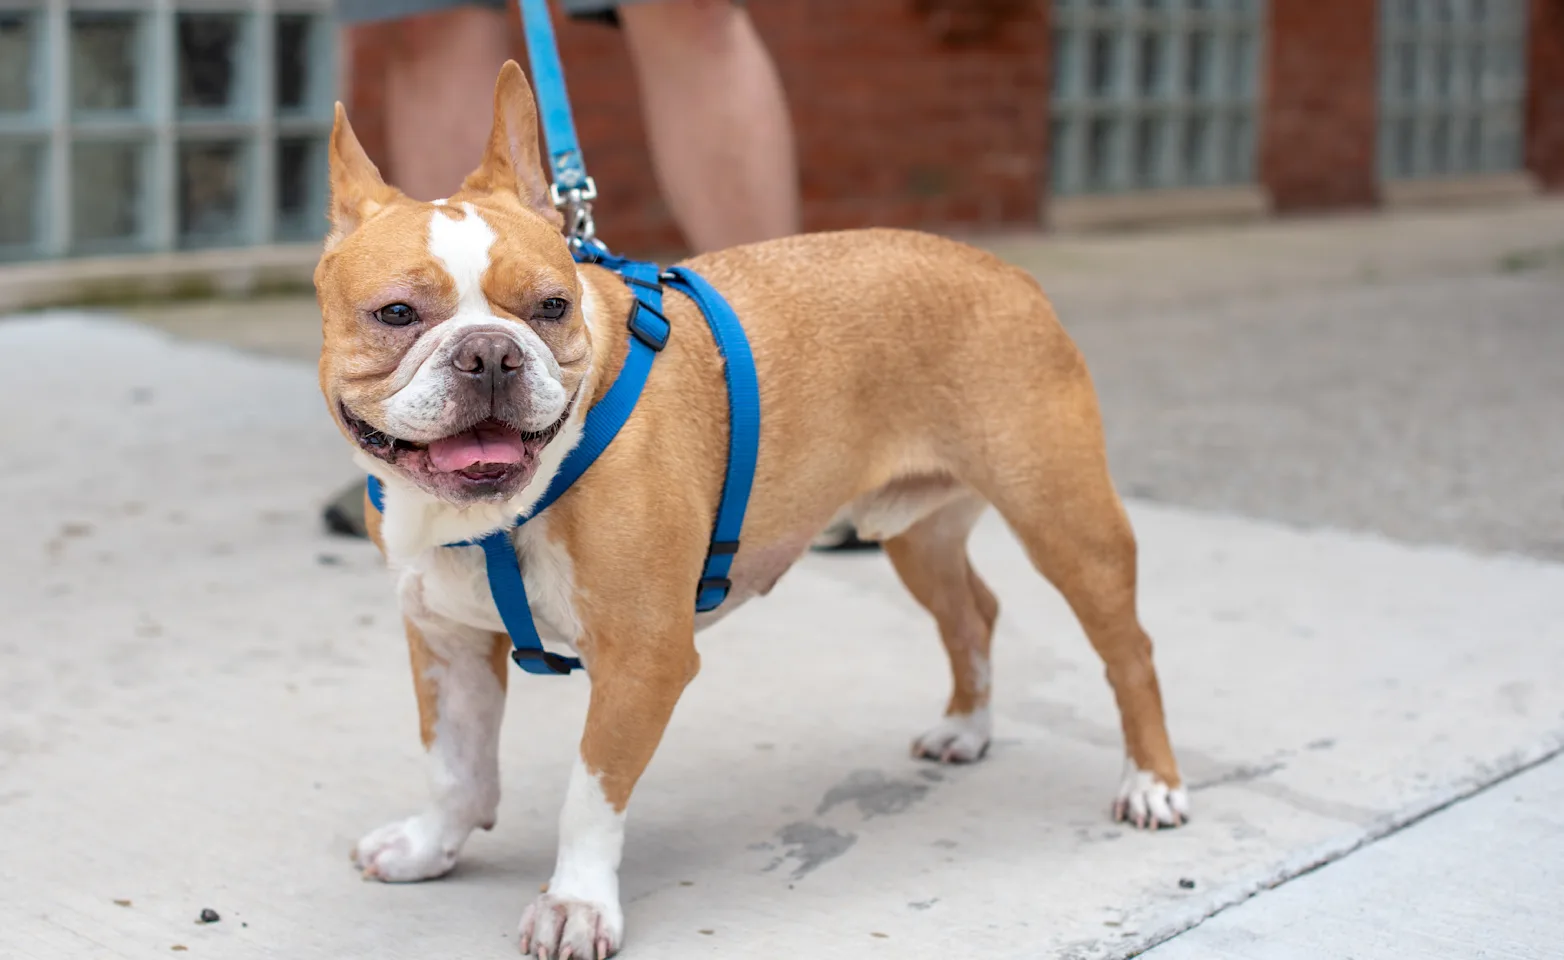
907	382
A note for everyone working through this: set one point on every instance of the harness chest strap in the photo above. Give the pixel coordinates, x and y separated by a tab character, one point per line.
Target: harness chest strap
738	370
649	334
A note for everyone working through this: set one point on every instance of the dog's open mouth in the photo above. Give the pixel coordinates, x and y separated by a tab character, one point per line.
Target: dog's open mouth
489	452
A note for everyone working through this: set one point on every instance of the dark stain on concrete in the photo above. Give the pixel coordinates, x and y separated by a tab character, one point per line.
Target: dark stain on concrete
874	794
811	845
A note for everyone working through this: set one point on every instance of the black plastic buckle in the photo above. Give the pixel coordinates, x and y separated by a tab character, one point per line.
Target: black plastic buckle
719	548
714	583
711	583
649	326
553	661
643	284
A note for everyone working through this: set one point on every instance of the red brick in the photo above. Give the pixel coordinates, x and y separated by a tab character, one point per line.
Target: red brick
1321	104
1545	93
366	49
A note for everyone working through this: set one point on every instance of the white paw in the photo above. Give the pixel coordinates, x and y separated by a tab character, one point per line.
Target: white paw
1145	801
562	928
956	739
417	848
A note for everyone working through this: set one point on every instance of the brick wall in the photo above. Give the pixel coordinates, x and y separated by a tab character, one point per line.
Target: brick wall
929	113
1320	106
366	51
933	113
1545	93
908	115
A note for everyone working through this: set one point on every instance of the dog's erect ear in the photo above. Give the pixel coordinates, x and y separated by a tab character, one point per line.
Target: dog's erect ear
512	161
357	192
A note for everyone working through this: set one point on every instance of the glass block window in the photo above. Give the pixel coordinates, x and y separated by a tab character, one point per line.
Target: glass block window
1152	94
1452	84
132	126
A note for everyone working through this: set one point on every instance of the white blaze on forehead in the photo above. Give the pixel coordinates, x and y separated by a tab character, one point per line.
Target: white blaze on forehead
462	247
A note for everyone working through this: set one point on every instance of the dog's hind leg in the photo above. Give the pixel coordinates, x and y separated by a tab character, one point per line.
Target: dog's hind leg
1050	482
931	559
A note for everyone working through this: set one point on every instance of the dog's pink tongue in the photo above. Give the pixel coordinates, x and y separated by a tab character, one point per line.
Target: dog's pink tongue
485	443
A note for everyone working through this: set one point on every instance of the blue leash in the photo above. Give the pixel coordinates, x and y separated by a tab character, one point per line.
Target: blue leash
548	77
573	190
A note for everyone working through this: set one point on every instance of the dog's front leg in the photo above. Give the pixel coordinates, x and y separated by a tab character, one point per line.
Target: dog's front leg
635	685
459	676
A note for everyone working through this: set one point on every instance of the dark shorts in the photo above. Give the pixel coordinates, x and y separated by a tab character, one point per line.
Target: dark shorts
365	11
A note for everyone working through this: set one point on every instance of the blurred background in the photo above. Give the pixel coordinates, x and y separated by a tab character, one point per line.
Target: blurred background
137	127
131	127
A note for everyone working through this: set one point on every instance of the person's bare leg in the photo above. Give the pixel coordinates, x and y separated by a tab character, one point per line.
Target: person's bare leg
721	138
438	96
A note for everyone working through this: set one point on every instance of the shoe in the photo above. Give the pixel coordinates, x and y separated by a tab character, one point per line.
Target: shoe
344	515
842	538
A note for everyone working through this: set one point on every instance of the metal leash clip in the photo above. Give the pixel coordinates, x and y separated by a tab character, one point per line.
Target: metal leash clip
576	205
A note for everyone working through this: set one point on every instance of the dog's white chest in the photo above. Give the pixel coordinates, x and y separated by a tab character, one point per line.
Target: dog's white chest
453	583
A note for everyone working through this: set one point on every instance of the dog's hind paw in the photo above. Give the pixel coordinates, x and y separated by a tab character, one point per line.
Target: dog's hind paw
960	738
1148	803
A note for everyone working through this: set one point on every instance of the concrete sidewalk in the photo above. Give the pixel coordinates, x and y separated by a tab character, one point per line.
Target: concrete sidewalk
1480	879
205	699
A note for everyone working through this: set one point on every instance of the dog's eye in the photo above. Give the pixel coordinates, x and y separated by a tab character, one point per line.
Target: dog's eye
396	315
551	309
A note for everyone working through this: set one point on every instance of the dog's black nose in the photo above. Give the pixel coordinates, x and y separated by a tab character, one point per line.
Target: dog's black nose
490	355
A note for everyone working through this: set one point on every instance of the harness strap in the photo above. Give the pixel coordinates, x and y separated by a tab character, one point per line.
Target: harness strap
509	591
743	433
649	334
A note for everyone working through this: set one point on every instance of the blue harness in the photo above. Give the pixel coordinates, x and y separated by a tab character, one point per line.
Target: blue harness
649	330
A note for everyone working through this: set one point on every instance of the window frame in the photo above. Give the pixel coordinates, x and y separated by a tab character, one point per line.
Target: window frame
163	132
1219	118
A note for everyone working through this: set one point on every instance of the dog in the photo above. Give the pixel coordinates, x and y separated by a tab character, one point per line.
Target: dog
908	382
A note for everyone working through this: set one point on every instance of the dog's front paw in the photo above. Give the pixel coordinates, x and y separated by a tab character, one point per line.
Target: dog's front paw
417	848
1147	802
955	739
561	928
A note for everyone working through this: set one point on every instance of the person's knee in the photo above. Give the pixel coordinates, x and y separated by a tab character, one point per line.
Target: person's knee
681	26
